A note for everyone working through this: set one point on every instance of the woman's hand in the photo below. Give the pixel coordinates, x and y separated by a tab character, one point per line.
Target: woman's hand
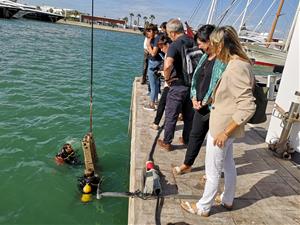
220	140
196	104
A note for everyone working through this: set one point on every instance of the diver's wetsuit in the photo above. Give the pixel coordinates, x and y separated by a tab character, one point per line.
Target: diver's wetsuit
69	158
92	180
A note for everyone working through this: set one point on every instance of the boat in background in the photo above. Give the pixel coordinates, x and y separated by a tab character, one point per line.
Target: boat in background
262	48
265	50
35	14
10	9
264	56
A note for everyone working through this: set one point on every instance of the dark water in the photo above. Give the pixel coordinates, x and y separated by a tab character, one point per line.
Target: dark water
44	100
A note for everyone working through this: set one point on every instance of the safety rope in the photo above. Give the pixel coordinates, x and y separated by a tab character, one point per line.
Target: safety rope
92	70
143	196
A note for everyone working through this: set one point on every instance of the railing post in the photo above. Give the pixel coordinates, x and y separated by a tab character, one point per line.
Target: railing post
271	86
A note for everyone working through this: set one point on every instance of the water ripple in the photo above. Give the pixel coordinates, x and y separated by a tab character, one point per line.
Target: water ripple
44	98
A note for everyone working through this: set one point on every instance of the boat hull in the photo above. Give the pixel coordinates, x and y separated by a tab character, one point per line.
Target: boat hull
42	16
7	12
265	56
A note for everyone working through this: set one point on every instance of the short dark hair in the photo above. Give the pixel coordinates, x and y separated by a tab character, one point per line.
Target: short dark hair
163	39
204	32
163	25
152	27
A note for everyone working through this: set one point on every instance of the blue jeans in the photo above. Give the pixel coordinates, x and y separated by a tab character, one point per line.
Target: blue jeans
153	79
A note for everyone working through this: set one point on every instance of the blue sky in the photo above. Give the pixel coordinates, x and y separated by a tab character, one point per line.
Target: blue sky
166	9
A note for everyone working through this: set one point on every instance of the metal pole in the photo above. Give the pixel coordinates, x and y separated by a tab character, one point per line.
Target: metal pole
270	36
271	86
289	38
244	15
211	12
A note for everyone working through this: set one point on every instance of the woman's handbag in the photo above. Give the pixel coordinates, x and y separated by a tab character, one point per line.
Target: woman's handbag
261	102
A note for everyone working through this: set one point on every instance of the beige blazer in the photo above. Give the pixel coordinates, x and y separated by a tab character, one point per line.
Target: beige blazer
233	99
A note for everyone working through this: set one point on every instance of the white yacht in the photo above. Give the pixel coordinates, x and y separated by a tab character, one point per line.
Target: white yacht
8	9
18	10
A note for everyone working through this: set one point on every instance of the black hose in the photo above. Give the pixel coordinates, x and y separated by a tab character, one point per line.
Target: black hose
158	208
151	153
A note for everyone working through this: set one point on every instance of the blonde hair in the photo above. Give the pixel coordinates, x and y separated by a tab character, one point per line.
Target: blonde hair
227	39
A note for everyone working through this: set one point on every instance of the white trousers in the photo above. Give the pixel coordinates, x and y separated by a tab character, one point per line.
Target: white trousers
215	160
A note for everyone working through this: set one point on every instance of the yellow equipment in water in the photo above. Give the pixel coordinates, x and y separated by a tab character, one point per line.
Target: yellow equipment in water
90	158
89	151
87	189
86	198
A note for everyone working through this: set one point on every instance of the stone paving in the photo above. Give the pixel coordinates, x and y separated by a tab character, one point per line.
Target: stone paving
268	188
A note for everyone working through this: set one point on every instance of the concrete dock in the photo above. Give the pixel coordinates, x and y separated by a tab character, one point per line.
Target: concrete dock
268	188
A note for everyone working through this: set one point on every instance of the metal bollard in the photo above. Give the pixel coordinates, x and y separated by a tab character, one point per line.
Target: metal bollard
282	148
271	86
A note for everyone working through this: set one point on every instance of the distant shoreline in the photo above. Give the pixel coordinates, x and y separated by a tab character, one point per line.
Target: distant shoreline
100	27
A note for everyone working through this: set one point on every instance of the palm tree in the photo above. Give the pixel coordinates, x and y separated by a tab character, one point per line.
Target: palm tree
126	19
138	19
152	17
145	20
131	15
76	13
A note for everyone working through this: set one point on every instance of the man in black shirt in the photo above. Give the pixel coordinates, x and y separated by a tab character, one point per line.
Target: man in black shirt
179	95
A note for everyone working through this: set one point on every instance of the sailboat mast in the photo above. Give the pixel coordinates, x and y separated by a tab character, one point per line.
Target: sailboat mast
244	15
270	36
289	38
211	12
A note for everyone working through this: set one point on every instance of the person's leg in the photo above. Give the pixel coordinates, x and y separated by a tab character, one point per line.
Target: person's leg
161	106
188	114
214	162
173	106
197	135
157	87
152	80
145	67
229	177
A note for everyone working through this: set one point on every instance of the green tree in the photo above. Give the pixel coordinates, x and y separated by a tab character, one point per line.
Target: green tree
126	19
138	19
131	15
152	17
145	20
146	24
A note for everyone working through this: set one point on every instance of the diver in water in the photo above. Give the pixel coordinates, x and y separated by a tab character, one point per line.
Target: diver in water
89	179
67	155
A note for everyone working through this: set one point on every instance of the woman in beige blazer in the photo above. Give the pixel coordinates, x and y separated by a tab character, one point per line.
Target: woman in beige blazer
232	106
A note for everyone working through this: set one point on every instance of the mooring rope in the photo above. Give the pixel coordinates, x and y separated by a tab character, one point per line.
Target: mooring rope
92	70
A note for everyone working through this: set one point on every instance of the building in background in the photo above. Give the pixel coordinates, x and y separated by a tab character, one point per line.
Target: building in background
103	21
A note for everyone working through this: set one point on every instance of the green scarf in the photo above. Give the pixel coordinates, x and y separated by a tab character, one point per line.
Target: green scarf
217	72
